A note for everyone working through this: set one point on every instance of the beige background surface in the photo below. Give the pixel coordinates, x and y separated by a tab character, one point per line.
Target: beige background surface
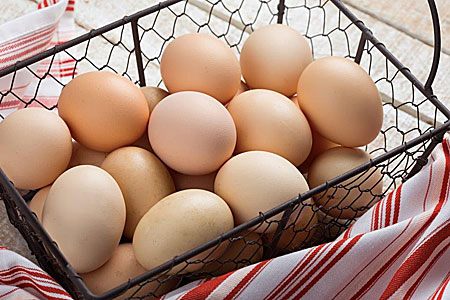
404	26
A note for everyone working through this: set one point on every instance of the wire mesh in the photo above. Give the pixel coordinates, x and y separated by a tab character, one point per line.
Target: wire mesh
306	221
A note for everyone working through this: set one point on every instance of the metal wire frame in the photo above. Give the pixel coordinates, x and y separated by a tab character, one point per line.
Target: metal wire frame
42	245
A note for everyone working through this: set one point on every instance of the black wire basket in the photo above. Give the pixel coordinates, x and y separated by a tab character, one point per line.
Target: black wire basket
415	122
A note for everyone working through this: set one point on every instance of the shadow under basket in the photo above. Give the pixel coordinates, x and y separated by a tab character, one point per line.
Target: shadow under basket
414	124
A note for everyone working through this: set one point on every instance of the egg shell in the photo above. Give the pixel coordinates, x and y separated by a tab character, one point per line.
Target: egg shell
257	181
35	147
243	250
203	63
299	230
319	145
153	95
121	267
103	110
185	182
85	215
268	121
242	88
361	191
295	100
178	223
274	57
38	201
143	142
341	101
84	156
143	180
192	133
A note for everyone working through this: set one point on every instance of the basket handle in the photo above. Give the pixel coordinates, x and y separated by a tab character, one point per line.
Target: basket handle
437	45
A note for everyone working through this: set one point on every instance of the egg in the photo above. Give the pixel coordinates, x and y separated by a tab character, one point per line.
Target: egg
103	110
185	182
274	57
341	101
85	215
143	142
192	133
295	100
358	193
242	88
153	95
84	156
300	228
319	145
38	201
268	121
203	63
35	147
257	181
121	267
143	180
178	223
241	251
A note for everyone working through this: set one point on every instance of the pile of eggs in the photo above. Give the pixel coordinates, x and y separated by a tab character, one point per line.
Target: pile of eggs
171	170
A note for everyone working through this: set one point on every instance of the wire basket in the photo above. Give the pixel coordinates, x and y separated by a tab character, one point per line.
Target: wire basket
414	124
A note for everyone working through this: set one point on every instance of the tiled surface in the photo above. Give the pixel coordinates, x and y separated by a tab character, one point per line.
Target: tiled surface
391	21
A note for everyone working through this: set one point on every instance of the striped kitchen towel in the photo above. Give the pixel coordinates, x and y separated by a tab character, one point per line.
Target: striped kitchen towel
397	250
21	279
52	24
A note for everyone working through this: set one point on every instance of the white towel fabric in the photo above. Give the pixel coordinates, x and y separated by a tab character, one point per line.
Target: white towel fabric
52	24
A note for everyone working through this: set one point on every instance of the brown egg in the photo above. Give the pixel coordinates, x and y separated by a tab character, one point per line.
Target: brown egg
191	133
38	201
143	142
341	101
35	147
203	63
274	57
153	95
359	192
178	223
319	145
244	250
256	181
85	214
143	180
119	269
299	230
103	110
242	88
84	156
185	182
268	121
295	100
